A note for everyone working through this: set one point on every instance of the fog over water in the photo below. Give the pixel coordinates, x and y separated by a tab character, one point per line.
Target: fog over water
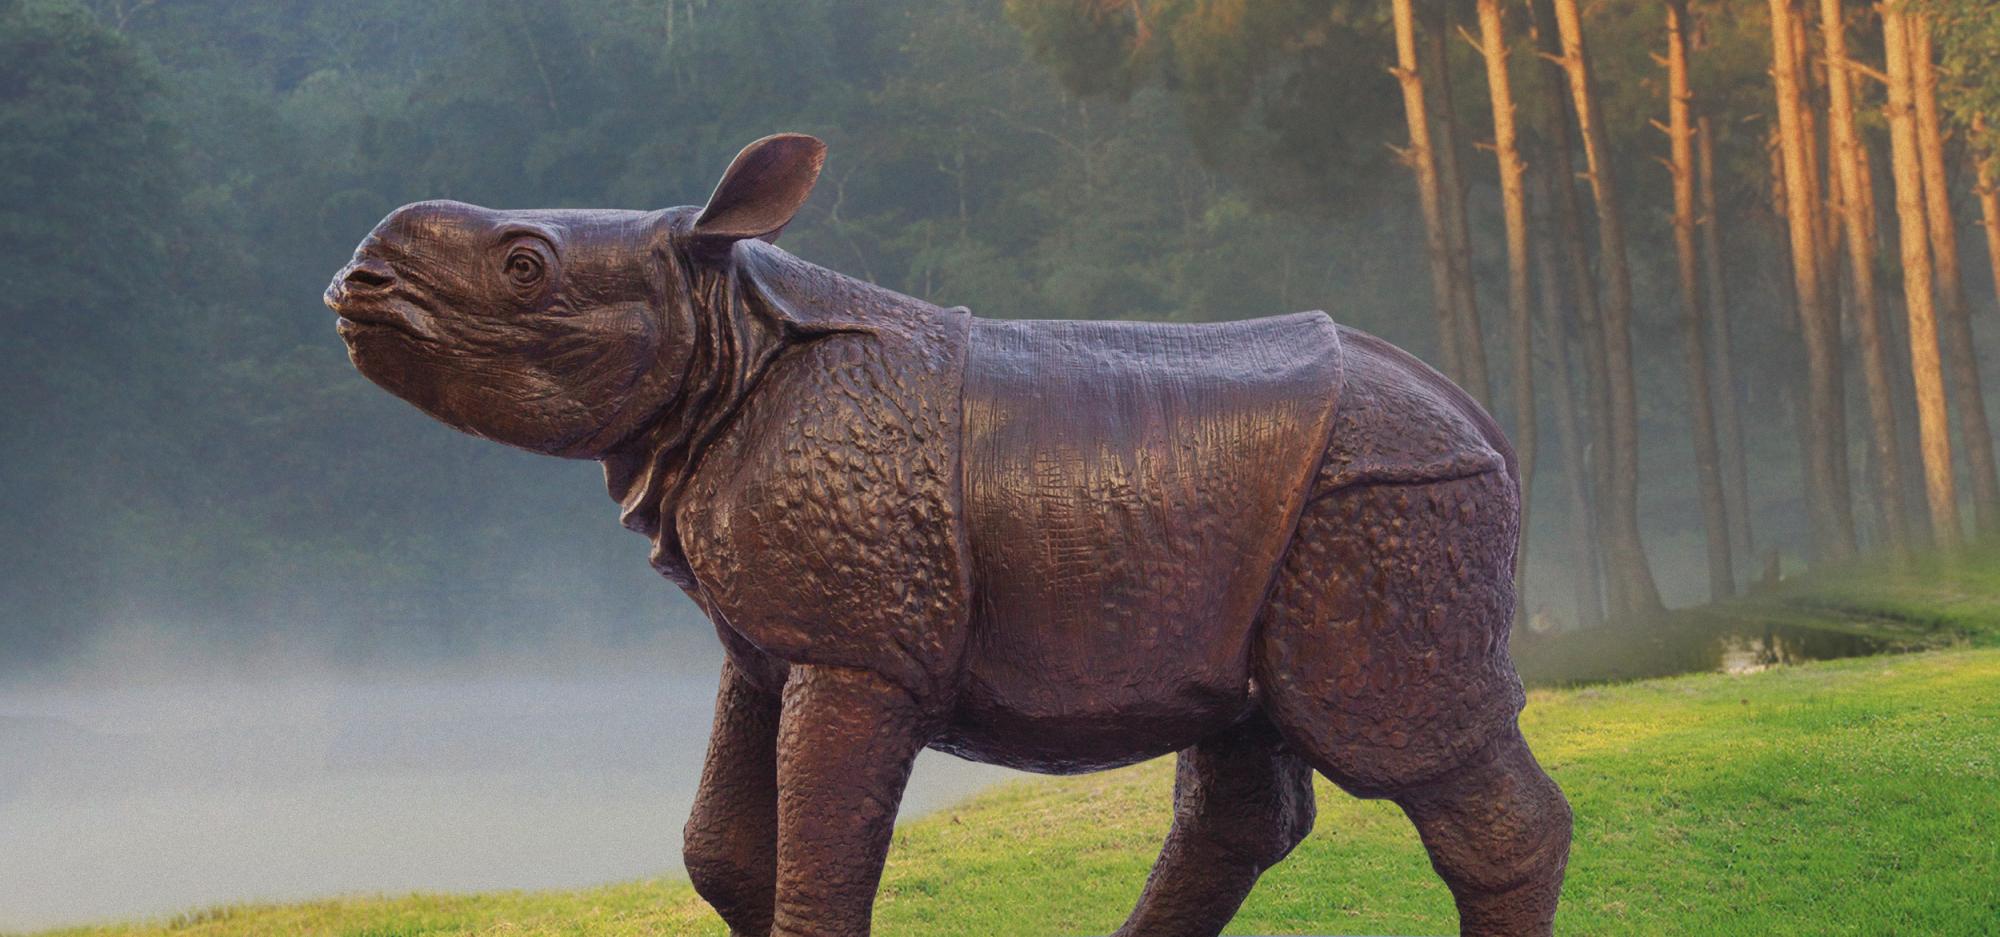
133	787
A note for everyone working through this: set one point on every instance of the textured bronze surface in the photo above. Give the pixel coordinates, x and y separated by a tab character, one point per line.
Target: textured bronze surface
1274	546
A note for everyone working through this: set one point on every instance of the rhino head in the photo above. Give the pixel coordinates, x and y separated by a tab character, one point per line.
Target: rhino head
563	332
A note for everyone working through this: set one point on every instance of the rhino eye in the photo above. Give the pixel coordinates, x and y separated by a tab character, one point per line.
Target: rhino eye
525	268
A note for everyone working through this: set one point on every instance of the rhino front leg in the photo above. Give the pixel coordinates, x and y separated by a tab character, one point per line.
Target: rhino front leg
731	849
1241	802
846	742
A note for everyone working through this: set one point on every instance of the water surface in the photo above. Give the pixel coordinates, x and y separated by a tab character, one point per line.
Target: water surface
156	797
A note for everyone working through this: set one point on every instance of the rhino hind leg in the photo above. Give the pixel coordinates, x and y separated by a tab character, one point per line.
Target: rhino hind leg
1242	800
1382	658
1498	834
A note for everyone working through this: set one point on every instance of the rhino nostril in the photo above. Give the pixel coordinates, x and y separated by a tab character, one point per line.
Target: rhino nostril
368	275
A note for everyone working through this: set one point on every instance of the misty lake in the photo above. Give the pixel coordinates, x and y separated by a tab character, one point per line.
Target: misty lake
154	797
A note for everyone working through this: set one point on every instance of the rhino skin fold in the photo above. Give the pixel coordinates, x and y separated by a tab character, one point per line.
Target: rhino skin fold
1275	546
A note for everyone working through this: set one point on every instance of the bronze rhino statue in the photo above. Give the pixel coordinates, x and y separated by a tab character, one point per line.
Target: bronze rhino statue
1273	546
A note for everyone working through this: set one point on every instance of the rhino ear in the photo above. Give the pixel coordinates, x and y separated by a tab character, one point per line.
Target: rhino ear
762	188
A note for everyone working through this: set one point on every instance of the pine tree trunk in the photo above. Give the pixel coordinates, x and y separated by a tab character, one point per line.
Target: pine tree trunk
1436	63
1926	368
1896	334
1989	209
1826	220
1961	361
1575	320
1781	201
1728	412
1520	302
1634	594
1586	575
1557	130
1819	323
1845	153
1694	317
1823	215
1420	157
1788	364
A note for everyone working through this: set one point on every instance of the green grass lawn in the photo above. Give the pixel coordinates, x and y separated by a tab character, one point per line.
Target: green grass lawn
1855	797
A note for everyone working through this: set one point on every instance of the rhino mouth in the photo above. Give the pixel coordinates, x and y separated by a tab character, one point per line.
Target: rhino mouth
357	319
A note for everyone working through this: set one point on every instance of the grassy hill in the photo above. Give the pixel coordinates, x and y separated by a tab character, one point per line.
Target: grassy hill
1853	797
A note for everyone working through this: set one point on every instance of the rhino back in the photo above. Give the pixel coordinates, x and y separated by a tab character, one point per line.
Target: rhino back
1129	489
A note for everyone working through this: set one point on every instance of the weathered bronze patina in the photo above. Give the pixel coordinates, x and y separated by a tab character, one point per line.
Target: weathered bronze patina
1273	546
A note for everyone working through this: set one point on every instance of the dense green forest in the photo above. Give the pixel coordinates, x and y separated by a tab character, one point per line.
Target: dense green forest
187	450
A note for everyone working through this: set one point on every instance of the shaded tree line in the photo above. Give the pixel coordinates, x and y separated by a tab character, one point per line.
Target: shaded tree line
187	446
1762	245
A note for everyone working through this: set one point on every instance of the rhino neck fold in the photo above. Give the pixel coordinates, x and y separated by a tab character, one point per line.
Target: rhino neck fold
740	316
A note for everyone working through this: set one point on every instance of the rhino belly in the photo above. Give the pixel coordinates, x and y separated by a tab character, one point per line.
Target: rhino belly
1129	489
1056	696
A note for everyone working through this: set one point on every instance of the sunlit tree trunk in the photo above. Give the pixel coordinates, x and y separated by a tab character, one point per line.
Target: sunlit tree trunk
1520	304
1787	365
1895	333
1420	156
1586	575
1989	204
1926	368
1961	361
1824	225
1819	323
1556	126
1845	152
1634	595
1728	413
1826	220
1781	201
1694	316
1436	63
